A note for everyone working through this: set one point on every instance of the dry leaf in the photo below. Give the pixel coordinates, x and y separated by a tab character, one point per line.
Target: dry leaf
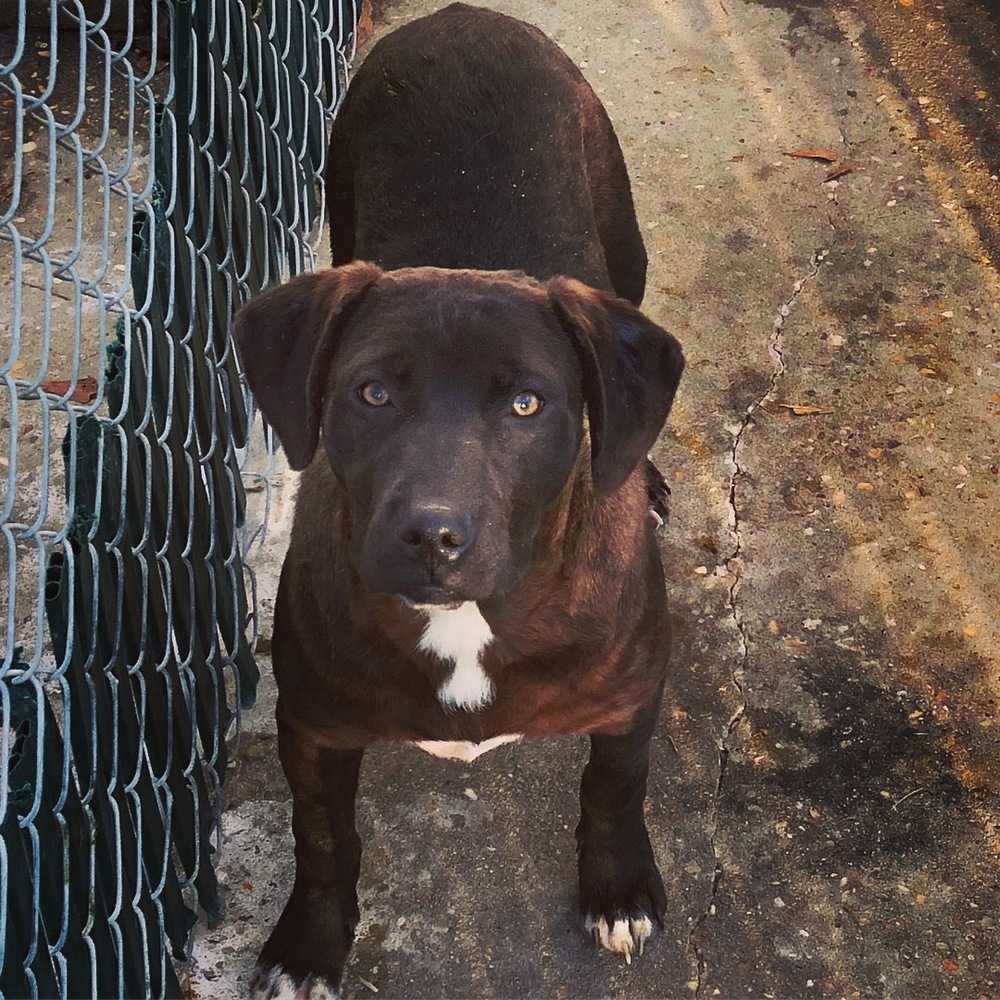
366	23
874	452
839	170
905	3
85	390
803	409
814	153
970	632
981	94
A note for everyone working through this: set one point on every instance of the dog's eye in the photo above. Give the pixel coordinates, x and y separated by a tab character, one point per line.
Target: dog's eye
526	404
374	394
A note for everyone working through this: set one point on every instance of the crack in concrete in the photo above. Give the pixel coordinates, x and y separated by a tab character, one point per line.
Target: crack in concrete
733	565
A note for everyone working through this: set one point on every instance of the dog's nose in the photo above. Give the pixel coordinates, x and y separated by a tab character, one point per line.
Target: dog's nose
439	535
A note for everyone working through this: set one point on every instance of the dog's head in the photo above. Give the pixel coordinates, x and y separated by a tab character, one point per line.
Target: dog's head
450	404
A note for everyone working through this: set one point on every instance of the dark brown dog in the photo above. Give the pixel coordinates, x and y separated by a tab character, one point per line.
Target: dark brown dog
471	560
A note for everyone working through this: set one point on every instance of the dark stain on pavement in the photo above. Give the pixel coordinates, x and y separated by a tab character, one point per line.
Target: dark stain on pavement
866	756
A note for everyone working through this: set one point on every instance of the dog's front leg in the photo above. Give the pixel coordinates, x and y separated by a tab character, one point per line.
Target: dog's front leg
621	892
304	956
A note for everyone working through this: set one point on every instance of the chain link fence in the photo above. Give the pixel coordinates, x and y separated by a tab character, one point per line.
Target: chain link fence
162	162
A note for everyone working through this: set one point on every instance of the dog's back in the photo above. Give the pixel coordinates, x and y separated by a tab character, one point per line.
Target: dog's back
503	174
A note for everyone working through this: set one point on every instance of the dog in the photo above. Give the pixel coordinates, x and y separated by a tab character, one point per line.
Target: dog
472	391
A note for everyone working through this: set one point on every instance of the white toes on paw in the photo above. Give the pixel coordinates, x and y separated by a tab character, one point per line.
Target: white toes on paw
276	984
624	936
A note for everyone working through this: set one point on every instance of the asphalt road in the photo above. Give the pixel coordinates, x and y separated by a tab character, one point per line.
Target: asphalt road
826	786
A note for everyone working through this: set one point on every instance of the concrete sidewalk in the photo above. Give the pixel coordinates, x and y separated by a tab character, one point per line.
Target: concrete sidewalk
826	783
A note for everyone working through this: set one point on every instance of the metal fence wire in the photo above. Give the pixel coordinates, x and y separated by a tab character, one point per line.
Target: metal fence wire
160	162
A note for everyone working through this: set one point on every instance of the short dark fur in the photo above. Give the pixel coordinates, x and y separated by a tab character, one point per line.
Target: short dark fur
467	141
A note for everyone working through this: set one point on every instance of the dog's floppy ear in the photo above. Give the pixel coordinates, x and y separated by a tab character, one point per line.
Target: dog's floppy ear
286	338
631	368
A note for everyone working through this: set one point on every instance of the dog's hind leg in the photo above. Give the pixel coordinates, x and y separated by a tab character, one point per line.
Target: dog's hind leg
304	956
614	212
621	891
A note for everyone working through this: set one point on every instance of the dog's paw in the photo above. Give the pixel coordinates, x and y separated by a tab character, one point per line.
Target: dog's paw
275	983
621	891
305	955
625	935
659	495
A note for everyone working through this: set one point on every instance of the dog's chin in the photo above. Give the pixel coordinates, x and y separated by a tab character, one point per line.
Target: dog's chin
442	593
448	595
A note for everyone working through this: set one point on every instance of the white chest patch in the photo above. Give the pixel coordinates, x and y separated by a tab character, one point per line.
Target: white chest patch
460	635
463	749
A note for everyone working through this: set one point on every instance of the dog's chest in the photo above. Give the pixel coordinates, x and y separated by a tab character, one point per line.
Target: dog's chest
459	637
485	699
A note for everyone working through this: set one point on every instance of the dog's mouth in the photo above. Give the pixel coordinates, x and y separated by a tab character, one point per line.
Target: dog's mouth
430	599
